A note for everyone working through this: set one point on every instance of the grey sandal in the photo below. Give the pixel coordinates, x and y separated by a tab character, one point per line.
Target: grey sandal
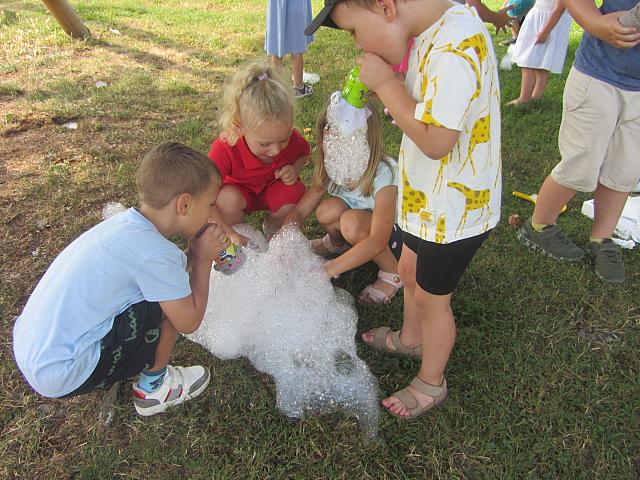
438	393
380	342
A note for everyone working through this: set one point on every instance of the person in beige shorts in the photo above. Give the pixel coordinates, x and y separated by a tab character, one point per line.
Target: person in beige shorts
599	139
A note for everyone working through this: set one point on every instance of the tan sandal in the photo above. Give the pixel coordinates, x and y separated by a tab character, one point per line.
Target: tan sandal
324	247
372	296
438	393
380	342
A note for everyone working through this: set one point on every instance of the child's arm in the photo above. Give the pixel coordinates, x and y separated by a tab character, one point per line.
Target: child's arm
186	314
289	173
384	212
605	27
435	142
234	236
500	19
309	201
552	21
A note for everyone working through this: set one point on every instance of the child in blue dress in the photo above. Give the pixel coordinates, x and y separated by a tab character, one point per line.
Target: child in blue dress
286	21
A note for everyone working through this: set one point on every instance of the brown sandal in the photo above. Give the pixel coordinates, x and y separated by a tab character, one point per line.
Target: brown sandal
438	393
380	342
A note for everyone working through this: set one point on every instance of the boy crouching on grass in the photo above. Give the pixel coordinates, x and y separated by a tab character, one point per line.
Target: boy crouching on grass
111	304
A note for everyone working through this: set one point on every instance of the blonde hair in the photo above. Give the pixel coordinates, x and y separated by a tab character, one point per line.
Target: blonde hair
257	94
171	169
374	139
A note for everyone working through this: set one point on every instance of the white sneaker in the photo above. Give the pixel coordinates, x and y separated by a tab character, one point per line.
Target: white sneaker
179	385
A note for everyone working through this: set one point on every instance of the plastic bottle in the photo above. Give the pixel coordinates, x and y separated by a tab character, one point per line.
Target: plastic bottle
355	92
230	260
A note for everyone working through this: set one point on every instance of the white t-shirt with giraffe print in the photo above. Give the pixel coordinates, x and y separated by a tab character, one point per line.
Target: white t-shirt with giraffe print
452	75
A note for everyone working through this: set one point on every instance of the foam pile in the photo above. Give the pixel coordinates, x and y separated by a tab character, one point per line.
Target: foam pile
282	313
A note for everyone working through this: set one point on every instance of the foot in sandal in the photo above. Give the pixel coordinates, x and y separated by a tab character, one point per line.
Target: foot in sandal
416	399
382	290
324	247
386	340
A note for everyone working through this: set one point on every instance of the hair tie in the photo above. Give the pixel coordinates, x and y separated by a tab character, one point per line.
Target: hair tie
263	76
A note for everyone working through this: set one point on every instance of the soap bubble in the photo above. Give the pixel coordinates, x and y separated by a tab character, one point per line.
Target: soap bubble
282	313
111	209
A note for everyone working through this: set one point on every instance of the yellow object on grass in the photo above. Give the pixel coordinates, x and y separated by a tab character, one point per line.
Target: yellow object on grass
533	198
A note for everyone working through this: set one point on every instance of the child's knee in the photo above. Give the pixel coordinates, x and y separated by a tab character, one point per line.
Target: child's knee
230	199
329	210
431	303
353	227
407	274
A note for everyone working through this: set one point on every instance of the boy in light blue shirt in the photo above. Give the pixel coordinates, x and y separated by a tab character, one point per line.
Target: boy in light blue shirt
113	302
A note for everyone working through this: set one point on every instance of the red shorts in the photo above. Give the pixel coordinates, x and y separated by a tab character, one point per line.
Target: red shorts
272	197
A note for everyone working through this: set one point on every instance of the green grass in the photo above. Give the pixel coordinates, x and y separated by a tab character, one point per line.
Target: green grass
544	378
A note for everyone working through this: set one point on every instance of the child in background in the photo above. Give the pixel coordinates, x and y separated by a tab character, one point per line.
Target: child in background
518	9
113	302
258	153
599	139
541	47
361	209
286	21
449	183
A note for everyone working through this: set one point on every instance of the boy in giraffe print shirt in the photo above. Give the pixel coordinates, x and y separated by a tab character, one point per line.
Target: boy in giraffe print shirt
450	181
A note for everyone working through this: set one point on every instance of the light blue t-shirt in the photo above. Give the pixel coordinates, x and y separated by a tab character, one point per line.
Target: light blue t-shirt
385	176
616	66
119	262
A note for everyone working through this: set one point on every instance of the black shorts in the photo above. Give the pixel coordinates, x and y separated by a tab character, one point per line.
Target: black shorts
440	266
395	241
128	348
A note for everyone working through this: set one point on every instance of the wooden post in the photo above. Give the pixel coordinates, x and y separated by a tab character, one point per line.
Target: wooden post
67	18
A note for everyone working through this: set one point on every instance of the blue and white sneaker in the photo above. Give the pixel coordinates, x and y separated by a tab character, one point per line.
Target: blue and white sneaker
179	385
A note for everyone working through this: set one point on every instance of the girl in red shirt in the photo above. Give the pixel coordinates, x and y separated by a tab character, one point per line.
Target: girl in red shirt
258	153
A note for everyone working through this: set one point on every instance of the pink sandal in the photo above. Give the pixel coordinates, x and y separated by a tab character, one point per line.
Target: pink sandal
324	247
372	296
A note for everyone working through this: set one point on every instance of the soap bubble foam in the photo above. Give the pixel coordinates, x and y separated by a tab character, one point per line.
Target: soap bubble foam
111	209
282	313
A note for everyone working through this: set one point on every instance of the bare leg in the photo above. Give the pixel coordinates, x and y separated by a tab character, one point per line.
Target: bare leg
355	226
328	214
542	79
526	87
608	206
168	337
231	204
273	220
297	69
276	61
551	198
438	337
411	332
515	28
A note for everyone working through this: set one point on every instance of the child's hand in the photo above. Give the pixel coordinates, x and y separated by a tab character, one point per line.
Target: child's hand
374	71
609	29
237	238
287	174
209	243
330	269
502	19
542	37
